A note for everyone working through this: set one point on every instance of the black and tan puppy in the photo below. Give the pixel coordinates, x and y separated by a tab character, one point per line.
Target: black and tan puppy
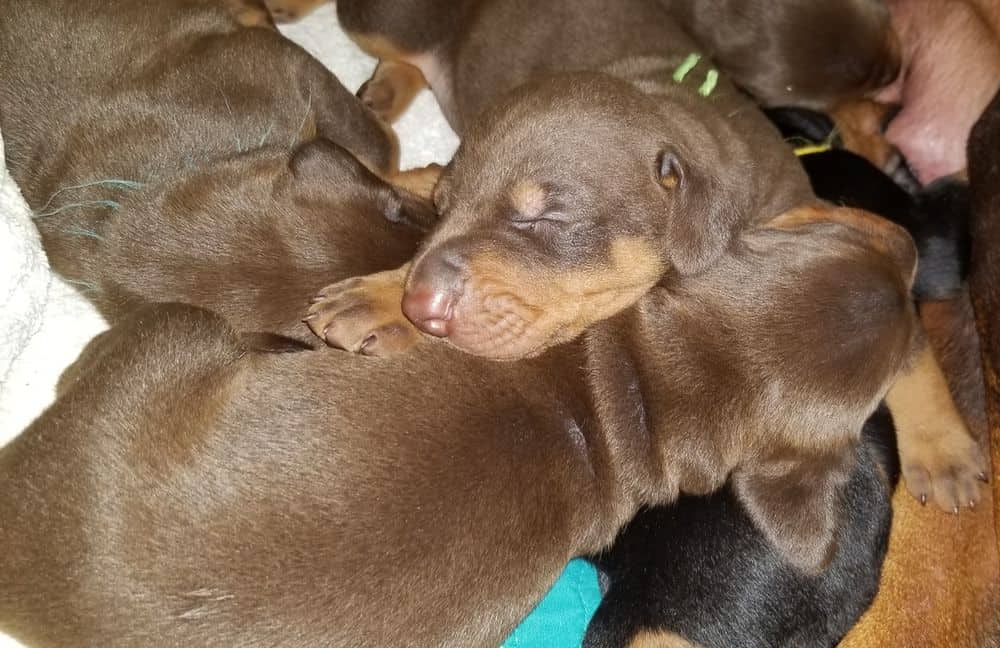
190	163
651	144
937	216
734	589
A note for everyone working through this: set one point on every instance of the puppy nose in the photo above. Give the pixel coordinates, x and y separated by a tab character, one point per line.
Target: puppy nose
429	310
434	287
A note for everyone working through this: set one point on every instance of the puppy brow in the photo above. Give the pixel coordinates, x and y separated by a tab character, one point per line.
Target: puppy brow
529	198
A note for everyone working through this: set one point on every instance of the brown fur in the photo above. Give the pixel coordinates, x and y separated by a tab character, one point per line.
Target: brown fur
475	71
223	181
984	168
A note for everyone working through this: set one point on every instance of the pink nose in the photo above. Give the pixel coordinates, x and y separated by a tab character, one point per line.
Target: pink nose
429	310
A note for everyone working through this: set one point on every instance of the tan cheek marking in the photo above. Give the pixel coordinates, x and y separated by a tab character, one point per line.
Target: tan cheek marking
650	639
569	302
529	199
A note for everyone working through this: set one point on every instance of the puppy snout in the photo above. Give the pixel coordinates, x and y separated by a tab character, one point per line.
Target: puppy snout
433	290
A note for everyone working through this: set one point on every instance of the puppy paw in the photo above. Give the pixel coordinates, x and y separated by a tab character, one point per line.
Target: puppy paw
391	89
420	181
362	315
947	469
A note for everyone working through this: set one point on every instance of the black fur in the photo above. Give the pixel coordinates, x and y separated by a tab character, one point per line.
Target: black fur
936	216
702	570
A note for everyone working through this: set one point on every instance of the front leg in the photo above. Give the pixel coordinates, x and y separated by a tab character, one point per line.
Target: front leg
363	315
939	458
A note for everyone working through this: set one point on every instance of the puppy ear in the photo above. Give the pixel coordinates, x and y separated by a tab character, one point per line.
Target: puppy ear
879	234
796	506
701	226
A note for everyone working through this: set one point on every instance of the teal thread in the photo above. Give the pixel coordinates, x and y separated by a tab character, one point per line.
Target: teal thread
112	182
73	230
686	66
100	204
711	79
87	286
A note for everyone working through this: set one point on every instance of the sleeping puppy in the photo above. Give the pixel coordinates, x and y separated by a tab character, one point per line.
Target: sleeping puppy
137	158
322	489
566	157
733	576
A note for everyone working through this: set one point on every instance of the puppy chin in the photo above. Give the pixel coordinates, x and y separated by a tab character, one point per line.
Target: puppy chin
495	335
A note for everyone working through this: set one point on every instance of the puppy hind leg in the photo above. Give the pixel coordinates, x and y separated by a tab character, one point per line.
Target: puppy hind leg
939	458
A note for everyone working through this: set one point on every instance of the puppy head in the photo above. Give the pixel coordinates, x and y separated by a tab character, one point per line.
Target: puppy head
809	54
273	219
565	203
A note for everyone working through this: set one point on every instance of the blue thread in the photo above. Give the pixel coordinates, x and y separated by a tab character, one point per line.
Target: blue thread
74	230
114	182
88	286
101	204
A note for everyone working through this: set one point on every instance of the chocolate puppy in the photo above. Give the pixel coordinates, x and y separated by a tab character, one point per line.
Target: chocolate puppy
792	53
206	163
196	491
572	174
446	488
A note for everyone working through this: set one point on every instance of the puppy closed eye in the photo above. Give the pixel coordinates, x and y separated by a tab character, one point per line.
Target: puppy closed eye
531	222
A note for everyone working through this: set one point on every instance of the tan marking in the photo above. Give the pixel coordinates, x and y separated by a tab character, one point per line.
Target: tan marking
308	131
529	199
249	13
380	47
884	236
391	89
859	124
510	310
285	11
660	639
420	181
939	458
364	315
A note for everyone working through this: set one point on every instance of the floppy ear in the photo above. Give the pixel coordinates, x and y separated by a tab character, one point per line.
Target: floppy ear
701	226
796	504
879	234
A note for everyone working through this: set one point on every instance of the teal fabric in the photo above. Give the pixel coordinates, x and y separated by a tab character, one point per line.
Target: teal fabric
561	618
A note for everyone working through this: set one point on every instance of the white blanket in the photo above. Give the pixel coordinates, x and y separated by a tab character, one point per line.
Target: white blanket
44	323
